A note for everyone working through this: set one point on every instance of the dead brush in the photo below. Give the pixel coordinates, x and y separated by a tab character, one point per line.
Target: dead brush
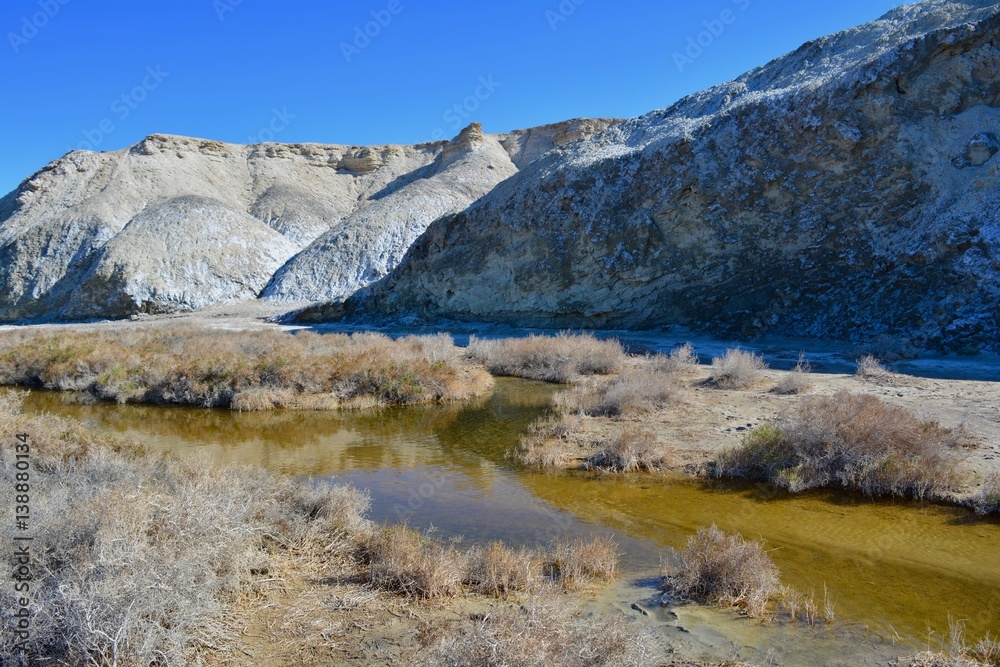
987	499
550	442
870	368
562	358
631	450
242	370
795	381
496	569
578	561
402	560
737	369
543	630
851	441
141	560
724	569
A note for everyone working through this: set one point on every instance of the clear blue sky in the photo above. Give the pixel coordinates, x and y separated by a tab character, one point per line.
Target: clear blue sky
105	73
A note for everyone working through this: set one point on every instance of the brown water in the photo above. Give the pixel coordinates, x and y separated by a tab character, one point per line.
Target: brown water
886	563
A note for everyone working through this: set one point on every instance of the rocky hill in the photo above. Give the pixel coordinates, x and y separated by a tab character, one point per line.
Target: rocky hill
848	189
177	223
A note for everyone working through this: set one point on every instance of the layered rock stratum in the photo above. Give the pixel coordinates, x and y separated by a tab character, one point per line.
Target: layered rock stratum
849	189
176	223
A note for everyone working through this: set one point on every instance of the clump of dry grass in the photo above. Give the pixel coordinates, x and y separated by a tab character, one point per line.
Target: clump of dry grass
984	653
242	370
633	449
577	562
413	563
797	381
804	608
737	369
680	360
870	368
561	358
543	630
987	500
852	441
724	569
551	442
140	560
496	569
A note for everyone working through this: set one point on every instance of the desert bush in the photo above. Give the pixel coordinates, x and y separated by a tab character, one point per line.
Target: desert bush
548	442
680	360
579	561
413	563
852	441
631	450
724	569
797	381
139	560
987	500
635	392
561	358
737	369
241	370
545	630
870	368
496	569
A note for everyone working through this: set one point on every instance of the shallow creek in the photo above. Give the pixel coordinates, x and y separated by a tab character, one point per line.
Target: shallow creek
893	566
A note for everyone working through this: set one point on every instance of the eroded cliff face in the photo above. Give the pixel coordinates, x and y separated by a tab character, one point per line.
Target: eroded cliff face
849	189
177	223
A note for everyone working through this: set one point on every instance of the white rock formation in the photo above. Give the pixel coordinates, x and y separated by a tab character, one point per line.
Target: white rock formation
176	223
848	189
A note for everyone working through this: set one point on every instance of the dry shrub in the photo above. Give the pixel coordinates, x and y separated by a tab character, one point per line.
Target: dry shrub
406	561
984	653
577	562
242	370
636	392
987	500
726	570
499	570
852	441
549	442
737	369
633	449
680	360
870	368
561	358
139	560
544	630
796	381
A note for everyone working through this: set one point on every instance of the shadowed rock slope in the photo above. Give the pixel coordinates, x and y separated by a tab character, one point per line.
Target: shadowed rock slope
848	189
176	223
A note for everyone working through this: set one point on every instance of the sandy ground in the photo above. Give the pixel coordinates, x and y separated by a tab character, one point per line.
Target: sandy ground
707	420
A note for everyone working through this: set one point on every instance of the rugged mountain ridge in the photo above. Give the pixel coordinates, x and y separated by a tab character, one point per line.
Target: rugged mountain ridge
176	223
848	189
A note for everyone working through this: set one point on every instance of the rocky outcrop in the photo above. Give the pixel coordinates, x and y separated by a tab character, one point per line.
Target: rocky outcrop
83	236
371	242
847	190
